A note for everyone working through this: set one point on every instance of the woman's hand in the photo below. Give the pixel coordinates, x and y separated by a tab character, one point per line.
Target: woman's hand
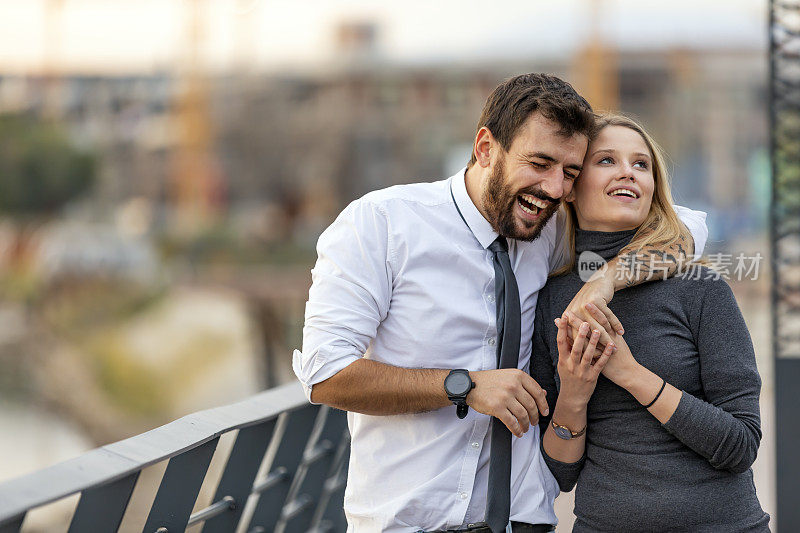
575	368
623	368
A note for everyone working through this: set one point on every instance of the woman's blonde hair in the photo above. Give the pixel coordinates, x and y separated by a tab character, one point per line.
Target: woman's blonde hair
662	228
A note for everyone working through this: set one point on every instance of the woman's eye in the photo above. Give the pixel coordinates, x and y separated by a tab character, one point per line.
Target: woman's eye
641	164
606	160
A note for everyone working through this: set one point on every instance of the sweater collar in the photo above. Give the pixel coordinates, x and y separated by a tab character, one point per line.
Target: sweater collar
606	244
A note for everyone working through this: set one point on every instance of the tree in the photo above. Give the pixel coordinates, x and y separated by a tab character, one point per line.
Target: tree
40	169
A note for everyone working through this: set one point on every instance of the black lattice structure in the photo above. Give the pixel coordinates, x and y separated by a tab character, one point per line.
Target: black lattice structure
784	33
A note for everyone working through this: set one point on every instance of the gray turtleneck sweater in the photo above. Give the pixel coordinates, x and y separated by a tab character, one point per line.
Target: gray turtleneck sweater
693	472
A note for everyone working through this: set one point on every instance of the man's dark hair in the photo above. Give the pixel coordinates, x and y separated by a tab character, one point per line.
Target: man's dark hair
514	100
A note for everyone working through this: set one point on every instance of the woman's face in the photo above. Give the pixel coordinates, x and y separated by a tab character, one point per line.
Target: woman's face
615	187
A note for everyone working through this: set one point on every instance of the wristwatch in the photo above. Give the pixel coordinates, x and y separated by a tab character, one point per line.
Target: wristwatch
563	432
457	385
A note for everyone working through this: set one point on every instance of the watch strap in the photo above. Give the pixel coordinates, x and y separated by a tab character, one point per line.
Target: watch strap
574	434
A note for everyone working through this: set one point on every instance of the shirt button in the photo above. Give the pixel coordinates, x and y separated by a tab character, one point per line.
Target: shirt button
490	297
463	495
475	445
491	341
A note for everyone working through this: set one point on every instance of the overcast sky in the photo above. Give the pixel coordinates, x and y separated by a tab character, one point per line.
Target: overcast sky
147	34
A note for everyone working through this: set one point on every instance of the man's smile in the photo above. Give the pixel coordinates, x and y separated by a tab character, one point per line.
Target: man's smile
531	205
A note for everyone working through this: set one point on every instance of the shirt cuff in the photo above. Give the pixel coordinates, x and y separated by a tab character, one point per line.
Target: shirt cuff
317	368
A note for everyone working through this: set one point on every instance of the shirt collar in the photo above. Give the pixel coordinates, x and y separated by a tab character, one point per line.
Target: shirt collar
479	226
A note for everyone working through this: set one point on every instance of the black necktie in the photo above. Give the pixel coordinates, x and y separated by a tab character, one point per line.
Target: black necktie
498	505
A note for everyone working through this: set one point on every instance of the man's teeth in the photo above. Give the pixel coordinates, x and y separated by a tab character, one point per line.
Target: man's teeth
535	201
626	192
529	211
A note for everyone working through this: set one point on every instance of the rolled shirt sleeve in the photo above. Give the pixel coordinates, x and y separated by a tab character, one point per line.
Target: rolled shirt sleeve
695	222
349	295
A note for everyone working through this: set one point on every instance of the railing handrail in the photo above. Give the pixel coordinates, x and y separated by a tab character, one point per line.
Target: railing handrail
115	461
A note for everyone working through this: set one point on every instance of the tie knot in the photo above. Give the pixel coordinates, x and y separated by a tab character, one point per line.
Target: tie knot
499	245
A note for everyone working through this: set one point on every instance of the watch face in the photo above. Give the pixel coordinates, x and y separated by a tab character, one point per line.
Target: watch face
563	433
457	384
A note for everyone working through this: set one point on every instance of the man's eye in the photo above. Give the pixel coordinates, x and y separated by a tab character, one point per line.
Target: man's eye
538	165
569	176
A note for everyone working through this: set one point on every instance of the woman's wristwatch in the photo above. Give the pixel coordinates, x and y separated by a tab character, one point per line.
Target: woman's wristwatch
563	432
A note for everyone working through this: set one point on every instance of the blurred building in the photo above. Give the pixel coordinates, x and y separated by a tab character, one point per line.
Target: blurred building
306	143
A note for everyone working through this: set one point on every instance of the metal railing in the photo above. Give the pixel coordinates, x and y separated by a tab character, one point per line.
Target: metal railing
301	449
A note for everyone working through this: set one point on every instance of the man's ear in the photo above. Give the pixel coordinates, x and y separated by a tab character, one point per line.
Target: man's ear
482	149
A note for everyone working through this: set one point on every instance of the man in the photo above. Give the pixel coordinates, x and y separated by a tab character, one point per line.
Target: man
421	292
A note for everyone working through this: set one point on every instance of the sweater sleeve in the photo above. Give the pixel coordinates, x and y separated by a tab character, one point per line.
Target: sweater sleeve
543	370
724	426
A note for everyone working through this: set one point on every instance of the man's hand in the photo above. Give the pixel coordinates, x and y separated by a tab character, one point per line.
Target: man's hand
510	395
591	305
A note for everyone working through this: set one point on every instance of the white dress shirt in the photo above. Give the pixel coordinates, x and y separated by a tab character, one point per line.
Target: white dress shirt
401	279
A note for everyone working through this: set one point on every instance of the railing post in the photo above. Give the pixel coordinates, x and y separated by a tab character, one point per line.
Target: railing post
102	508
330	513
179	489
294	438
240	472
13	525
315	468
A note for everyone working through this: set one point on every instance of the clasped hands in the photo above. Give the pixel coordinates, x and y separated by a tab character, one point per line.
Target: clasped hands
516	399
590	343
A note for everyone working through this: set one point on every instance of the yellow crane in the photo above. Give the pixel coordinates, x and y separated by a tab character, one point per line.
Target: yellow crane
51	70
595	67
197	185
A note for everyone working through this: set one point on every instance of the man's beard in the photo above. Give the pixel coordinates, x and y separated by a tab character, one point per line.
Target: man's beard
499	202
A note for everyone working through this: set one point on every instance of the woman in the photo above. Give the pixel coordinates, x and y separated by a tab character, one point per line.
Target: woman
659	435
